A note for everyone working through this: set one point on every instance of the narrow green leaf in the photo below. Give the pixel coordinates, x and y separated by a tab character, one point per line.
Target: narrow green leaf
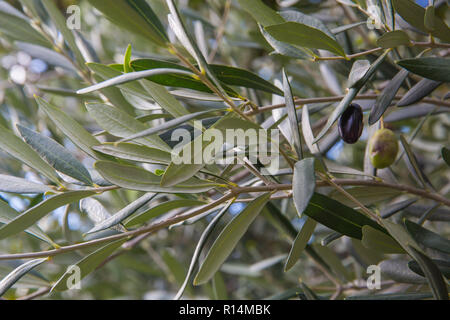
396	207
330	238
414	14
309	294
123	213
13	145
364	77
226	74
180	80
379	241
338	217
18	273
282	47
228	239
300	243
433	68
347	27
16	25
366	195
260	12
167	125
443	266
87	265
359	69
411	158
72	129
181	32
305	36
307	131
367	256
432	273
175	268
399	233
429	18
332	259
96	212
219	287
164	99
34	214
136	178
179	29
129	77
198	249
65	92
7	214
127	60
292	115
420	90
242	78
120	124
50	56
104	72
134	152
304	184
135	16
61	23
387	96
284	225
393	39
397	270
427	238
56	155
20	185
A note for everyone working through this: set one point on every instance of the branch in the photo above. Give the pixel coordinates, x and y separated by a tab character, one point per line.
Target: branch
363	53
233	193
147	229
351	182
370	96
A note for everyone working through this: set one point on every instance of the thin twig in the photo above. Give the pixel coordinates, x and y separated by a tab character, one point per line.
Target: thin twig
370	96
221	30
40	292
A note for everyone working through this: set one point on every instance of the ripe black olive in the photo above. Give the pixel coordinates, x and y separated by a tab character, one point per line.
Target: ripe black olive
351	123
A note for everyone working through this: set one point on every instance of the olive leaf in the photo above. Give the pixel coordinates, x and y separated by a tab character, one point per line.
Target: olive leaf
56	155
228	239
300	243
136	16
15	275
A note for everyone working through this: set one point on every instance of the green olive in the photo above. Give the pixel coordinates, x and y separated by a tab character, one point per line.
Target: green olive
383	148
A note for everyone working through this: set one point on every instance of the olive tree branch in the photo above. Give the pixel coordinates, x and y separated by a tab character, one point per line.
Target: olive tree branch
234	192
370	96
147	229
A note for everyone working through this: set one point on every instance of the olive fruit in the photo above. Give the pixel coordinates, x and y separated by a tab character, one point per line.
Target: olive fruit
383	148
351	123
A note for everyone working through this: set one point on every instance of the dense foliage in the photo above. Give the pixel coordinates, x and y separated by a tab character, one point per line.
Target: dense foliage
92	93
